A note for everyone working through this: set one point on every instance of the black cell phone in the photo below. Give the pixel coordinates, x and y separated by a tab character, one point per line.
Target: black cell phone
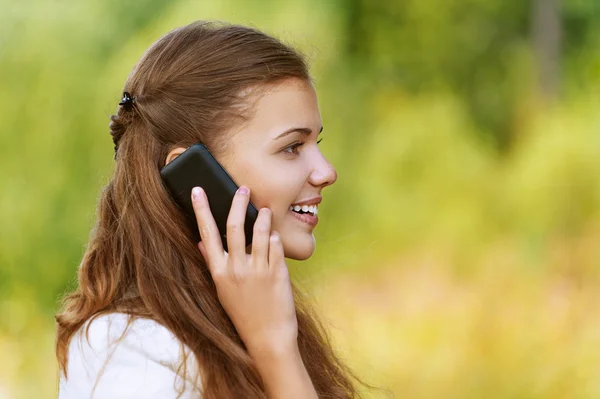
197	167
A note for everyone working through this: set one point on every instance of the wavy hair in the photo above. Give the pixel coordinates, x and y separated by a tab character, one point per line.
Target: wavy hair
142	259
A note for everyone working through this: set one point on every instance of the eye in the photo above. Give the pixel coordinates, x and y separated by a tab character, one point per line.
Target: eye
292	149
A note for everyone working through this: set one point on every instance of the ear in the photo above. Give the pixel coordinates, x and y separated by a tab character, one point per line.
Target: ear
174	154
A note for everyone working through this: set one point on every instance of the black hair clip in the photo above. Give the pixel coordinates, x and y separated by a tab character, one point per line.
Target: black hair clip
127	101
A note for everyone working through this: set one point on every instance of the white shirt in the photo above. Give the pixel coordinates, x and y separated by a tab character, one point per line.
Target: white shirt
143	364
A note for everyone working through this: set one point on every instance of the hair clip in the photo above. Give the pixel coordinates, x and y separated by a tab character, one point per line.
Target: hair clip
127	101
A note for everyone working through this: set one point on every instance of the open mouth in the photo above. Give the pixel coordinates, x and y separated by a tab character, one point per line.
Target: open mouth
311	209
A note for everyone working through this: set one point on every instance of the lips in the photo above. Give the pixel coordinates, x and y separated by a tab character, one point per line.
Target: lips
316	200
312	209
307	218
307	210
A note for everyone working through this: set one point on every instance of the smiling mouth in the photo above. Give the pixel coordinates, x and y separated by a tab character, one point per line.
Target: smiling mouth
305	216
305	209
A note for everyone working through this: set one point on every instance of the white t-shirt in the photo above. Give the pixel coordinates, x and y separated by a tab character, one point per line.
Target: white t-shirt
143	364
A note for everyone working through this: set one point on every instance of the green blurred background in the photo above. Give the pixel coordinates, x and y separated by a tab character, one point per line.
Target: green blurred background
458	254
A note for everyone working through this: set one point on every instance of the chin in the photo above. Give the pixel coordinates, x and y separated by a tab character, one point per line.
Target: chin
299	248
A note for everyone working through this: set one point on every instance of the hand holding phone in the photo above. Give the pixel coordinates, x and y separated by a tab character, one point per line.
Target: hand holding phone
196	166
254	288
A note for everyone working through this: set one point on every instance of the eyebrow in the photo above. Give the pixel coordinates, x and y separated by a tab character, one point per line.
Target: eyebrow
304	130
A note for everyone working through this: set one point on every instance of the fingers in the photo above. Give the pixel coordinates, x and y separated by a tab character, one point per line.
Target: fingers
236	238
276	256
209	232
260	238
202	250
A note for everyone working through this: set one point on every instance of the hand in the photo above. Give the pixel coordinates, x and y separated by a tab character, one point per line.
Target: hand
254	289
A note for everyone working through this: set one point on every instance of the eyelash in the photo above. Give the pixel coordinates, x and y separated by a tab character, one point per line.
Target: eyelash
295	146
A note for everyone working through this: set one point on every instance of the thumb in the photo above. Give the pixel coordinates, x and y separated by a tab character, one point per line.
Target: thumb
202	249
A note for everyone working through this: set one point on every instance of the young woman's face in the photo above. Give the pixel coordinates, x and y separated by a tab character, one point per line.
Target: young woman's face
276	155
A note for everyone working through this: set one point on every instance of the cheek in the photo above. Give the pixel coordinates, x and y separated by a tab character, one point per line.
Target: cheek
276	197
277	202
275	187
278	209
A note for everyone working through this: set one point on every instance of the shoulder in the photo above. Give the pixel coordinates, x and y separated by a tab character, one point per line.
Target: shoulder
113	359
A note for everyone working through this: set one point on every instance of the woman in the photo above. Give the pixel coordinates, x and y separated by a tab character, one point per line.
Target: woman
158	315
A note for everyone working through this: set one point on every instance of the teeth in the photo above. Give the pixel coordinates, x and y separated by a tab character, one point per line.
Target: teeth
314	209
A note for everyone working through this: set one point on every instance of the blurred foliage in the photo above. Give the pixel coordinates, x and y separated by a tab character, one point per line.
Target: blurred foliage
458	252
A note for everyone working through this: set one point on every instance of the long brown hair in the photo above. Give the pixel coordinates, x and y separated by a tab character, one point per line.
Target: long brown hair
142	257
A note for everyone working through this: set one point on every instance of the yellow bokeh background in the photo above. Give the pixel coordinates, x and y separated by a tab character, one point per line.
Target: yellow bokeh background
458	253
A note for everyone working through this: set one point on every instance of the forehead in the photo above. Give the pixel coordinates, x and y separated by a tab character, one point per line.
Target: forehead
291	103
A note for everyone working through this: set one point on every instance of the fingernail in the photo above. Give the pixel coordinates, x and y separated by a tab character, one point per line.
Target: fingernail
196	193
243	190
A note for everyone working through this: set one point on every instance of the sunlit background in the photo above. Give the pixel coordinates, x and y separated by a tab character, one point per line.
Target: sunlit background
458	254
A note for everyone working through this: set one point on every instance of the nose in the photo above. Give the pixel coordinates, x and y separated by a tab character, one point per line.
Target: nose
323	173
